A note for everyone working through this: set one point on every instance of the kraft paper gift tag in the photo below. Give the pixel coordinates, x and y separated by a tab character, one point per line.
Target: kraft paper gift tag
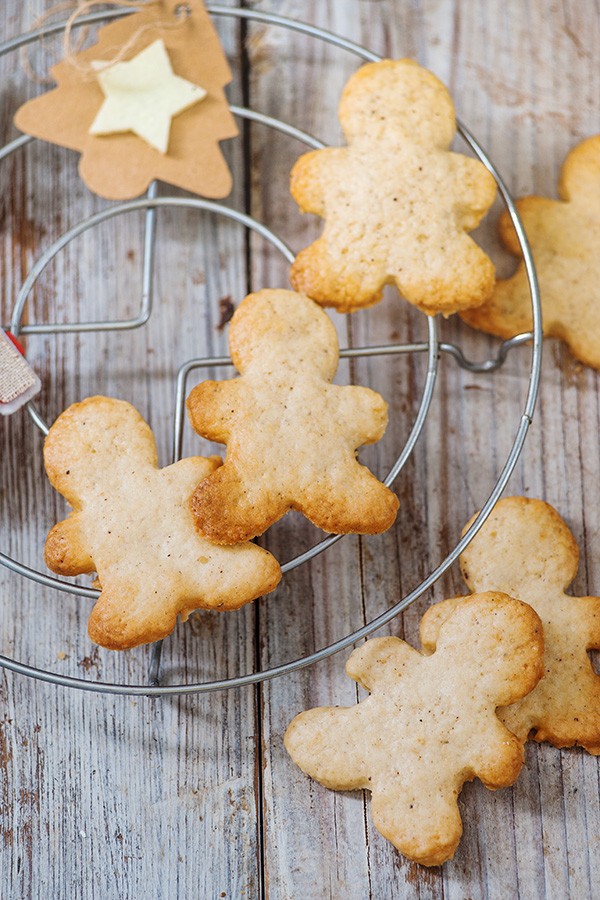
122	165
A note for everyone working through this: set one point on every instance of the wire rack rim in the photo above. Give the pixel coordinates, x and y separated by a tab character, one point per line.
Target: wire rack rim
52	28
524	424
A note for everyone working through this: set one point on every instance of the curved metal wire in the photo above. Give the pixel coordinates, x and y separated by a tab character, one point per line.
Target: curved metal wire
431	347
194	203
110	213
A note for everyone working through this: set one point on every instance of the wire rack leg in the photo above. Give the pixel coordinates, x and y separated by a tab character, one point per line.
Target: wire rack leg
147	297
154	669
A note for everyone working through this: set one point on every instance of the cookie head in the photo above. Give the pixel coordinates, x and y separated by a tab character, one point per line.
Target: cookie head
280	328
507	651
523	540
397	98
90	434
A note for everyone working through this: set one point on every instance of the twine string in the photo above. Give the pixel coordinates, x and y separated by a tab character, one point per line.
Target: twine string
71	48
46	17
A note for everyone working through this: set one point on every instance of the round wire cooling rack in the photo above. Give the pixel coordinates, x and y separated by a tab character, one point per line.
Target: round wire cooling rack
432	347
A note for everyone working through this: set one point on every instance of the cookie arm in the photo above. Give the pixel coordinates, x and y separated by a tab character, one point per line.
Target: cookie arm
475	189
212	407
329	744
187	473
65	552
308	177
433	620
364	412
536	213
380	660
579	179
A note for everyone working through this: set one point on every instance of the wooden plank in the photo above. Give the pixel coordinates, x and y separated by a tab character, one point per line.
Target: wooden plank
526	85
324	855
107	797
110	797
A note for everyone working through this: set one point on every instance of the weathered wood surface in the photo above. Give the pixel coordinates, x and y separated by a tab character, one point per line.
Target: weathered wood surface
105	797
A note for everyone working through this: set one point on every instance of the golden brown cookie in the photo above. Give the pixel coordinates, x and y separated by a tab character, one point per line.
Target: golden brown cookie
527	550
131	523
564	236
291	435
429	724
397	204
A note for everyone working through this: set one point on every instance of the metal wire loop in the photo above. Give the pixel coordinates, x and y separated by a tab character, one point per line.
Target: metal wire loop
431	347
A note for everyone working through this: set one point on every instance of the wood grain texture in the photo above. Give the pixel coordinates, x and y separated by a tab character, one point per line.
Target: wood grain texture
104	797
540	838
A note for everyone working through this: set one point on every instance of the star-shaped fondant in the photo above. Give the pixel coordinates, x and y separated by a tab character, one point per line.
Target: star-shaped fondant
142	96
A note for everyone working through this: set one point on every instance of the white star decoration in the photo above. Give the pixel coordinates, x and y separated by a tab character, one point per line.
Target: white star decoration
142	96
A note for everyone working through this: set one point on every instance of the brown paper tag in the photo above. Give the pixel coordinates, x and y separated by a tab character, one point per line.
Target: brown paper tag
121	166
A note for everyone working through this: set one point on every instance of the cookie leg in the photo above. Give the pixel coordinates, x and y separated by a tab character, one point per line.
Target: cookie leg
425	826
124	616
359	504
333	278
498	757
229	508
459	278
65	551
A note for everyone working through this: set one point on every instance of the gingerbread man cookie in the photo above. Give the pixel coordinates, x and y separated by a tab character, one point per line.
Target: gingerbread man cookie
429	724
291	435
131	523
397	204
527	550
564	236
